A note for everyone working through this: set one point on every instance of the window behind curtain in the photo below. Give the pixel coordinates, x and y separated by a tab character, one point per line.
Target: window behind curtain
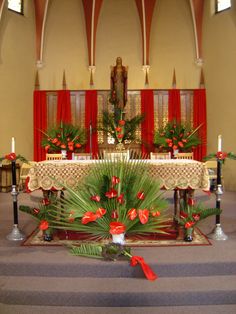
16	6
222	5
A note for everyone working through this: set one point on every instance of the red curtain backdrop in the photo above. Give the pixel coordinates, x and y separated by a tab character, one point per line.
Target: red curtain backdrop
40	123
174	108
63	106
200	118
147	126
91	111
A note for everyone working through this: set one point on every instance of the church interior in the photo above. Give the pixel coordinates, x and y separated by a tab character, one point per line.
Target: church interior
135	98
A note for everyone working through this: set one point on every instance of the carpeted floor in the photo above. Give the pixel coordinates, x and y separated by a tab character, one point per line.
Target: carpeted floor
47	279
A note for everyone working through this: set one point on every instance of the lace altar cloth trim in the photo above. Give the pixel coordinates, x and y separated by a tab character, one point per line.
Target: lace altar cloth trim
171	174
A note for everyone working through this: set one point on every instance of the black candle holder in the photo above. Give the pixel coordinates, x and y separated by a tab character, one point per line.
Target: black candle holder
16	234
218	233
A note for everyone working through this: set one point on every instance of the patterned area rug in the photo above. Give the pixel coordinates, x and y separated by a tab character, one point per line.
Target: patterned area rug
68	238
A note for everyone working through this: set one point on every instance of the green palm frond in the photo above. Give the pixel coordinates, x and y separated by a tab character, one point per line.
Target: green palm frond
87	250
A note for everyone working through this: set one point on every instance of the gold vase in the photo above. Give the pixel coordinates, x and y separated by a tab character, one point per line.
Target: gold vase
120	147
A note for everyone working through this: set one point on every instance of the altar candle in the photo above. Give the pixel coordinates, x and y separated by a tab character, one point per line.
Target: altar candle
219	143
13	145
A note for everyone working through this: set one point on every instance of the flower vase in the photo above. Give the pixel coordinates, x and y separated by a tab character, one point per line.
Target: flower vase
118	238
47	235
188	235
175	152
64	154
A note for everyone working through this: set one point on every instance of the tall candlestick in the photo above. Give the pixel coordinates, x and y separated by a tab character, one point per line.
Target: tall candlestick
13	145
219	143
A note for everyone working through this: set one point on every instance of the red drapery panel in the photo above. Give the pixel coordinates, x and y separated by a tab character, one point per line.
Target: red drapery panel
147	126
63	106
200	118
174	108
91	110
40	123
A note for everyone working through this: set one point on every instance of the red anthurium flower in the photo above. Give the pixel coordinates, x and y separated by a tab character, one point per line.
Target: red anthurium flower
120	198
121	122
143	215
88	217
63	146
141	195
168	140
196	217
118	129
45	201
100	212
95	198
117	227
54	140
180	144
183	214
184	140
156	214
170	144
77	145
71	147
191	202
221	155
114	214
36	211
189	224
120	135
111	193
70	217
43	225
132	213
115	180
175	147
47	147
11	156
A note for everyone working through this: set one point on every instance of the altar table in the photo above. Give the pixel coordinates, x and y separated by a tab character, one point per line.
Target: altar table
172	174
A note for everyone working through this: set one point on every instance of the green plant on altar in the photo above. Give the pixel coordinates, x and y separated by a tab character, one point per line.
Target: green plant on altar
221	156
191	213
114	123
64	137
176	136
116	197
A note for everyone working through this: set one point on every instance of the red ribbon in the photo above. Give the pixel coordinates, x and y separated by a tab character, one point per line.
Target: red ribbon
148	272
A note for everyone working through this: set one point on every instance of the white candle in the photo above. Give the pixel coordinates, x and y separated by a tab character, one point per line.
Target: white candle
219	143
13	145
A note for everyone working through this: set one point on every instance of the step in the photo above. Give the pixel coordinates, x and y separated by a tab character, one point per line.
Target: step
115	292
207	309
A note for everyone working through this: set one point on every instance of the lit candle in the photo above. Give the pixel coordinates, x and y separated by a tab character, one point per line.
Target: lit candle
13	145
219	143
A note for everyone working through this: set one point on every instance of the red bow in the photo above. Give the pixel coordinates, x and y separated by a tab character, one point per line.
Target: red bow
11	156
148	272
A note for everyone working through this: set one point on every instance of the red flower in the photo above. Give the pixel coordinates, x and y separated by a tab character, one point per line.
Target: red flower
43	225
189	224
196	217
221	155
120	198
118	129
77	145
180	144
63	146
111	193
71	218
117	227
36	211
132	213
115	180
184	140
156	214
140	195
121	122
175	147
183	214
143	215
95	198
170	144
45	201
100	212
54	140
114	214
11	156
168	140
191	201
47	147
88	217
120	135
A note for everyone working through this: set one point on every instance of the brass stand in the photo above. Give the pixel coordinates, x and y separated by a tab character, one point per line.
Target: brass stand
16	234
218	233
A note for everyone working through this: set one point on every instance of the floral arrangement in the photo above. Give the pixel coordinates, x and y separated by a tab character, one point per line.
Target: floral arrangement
12	157
192	213
64	137
116	125
176	136
221	156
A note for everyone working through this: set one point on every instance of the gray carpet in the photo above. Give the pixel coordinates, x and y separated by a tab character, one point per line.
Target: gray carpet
50	280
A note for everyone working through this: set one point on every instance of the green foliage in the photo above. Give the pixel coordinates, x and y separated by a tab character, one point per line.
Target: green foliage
176	136
87	250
